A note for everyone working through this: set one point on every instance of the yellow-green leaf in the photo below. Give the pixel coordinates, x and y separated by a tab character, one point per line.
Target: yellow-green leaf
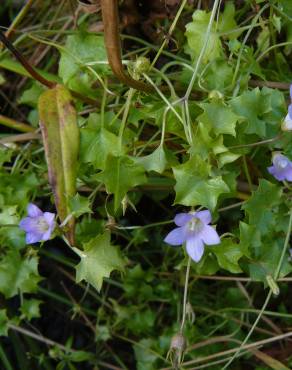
58	122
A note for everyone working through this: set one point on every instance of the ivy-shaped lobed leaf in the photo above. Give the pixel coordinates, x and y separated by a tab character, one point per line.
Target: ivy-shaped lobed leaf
194	186
120	175
97	260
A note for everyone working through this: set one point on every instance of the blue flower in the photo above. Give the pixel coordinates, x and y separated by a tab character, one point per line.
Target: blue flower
38	225
282	167
287	123
195	231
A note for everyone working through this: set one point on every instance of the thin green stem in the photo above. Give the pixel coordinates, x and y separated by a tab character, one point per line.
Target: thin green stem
185	296
202	52
247	175
102	108
253	23
163	127
24	10
171	29
169	84
246	347
272	48
170	105
125	116
286	244
16	125
188	121
34	73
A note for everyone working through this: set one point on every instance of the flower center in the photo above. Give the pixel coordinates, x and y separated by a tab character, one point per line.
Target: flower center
195	225
282	163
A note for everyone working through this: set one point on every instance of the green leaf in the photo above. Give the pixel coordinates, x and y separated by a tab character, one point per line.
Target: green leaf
120	175
96	145
102	333
196	37
251	106
260	206
79	205
219	117
30	308
58	122
218	75
98	259
17	189
194	187
30	96
263	39
80	49
145	357
228	254
18	275
80	356
250	238
5	154
9	216
227	21
2	79
11	236
157	161
267	261
208	265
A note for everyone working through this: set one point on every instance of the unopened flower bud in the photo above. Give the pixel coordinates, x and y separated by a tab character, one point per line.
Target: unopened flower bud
178	342
124	204
141	65
215	95
176	350
190	314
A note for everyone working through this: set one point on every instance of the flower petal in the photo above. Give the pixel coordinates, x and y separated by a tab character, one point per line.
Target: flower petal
46	236
209	235
277	174
287	123
195	248
204	216
287	173
176	237
50	218
290	111
33	238
28	224
182	218
33	210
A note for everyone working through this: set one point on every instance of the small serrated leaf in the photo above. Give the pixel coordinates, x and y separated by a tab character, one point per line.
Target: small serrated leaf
219	118
228	254
259	211
120	175
30	308
195	187
98	259
157	161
